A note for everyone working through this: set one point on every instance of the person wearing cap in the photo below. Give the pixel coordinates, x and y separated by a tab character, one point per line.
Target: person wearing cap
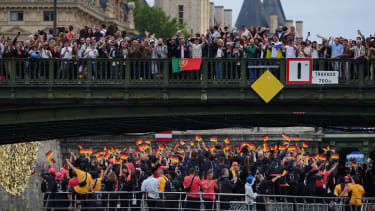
51	186
250	196
61	196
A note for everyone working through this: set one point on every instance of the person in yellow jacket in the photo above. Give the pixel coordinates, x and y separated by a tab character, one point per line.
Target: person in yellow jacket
342	189
357	194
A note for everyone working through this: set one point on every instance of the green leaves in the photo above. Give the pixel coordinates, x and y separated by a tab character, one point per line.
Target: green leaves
155	21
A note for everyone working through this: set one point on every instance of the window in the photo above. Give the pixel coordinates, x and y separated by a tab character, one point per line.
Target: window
181	14
16	16
48	16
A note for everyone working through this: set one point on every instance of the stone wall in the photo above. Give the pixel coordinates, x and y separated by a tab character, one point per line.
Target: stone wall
32	197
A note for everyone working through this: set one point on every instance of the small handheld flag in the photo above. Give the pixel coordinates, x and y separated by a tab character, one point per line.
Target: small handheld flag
285	172
296	138
49	154
286	137
227	141
139	142
265	138
214	139
175	159
182	143
335	156
52	161
198	138
305	145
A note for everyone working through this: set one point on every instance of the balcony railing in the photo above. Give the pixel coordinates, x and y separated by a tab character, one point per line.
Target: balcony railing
222	201
128	72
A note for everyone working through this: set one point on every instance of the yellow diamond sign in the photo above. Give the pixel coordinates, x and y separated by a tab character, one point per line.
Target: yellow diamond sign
267	86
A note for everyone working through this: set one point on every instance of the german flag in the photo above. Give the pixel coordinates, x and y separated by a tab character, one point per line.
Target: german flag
227	141
124	156
282	148
198	138
234	172
265	147
322	157
106	157
285	172
87	151
298	158
181	150
148	142
182	143
175	159
285	143
158	151
327	163
49	154
265	138
79	146
307	157
299	148
213	139
33	174
105	149
175	146
305	145
212	148
296	138
115	161
354	164
162	147
243	144
335	156
52	161
99	153
316	156
139	142
286	137
284	185
101	157
327	149
180	154
118	151
292	148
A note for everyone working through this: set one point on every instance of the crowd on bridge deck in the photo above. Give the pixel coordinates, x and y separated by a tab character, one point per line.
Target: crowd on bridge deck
285	168
248	42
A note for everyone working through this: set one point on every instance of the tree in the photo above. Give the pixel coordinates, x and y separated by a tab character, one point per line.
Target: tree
155	21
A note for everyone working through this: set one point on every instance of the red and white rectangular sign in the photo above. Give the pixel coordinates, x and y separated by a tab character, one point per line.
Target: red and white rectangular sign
163	136
299	71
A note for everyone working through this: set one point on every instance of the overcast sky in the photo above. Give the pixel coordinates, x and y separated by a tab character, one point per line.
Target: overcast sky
327	17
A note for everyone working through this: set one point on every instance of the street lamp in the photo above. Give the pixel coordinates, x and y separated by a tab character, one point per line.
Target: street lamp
54	17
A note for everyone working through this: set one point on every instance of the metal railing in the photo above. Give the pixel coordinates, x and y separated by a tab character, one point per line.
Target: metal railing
181	201
129	72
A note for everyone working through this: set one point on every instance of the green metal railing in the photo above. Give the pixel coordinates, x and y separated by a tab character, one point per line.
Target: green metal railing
126	72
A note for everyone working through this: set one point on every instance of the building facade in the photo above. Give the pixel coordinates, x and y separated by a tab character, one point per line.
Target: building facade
197	15
29	16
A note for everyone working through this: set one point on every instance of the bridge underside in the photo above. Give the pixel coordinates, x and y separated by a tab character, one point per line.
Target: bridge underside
29	120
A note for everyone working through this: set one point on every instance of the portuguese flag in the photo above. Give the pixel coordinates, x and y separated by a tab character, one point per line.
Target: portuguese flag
185	64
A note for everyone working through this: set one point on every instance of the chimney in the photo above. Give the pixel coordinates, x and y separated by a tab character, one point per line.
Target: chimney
273	23
299	28
212	15
228	18
289	23
219	15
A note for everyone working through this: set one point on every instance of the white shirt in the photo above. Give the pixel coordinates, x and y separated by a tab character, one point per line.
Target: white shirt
92	54
1	50
219	53
290	52
151	186
68	54
314	54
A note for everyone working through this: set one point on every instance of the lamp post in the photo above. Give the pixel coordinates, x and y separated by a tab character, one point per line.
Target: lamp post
54	17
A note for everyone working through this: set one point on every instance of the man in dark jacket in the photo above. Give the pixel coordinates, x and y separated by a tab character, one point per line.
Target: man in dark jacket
226	186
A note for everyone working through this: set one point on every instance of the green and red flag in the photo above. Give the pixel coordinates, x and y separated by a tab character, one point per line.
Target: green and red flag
185	64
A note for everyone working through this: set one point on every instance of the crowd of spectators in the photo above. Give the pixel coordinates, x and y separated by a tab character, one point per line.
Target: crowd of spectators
247	42
283	169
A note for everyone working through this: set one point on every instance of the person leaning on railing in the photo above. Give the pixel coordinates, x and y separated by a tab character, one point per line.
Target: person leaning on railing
84	186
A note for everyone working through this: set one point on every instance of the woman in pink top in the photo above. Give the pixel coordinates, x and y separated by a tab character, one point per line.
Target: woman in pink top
209	185
194	183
